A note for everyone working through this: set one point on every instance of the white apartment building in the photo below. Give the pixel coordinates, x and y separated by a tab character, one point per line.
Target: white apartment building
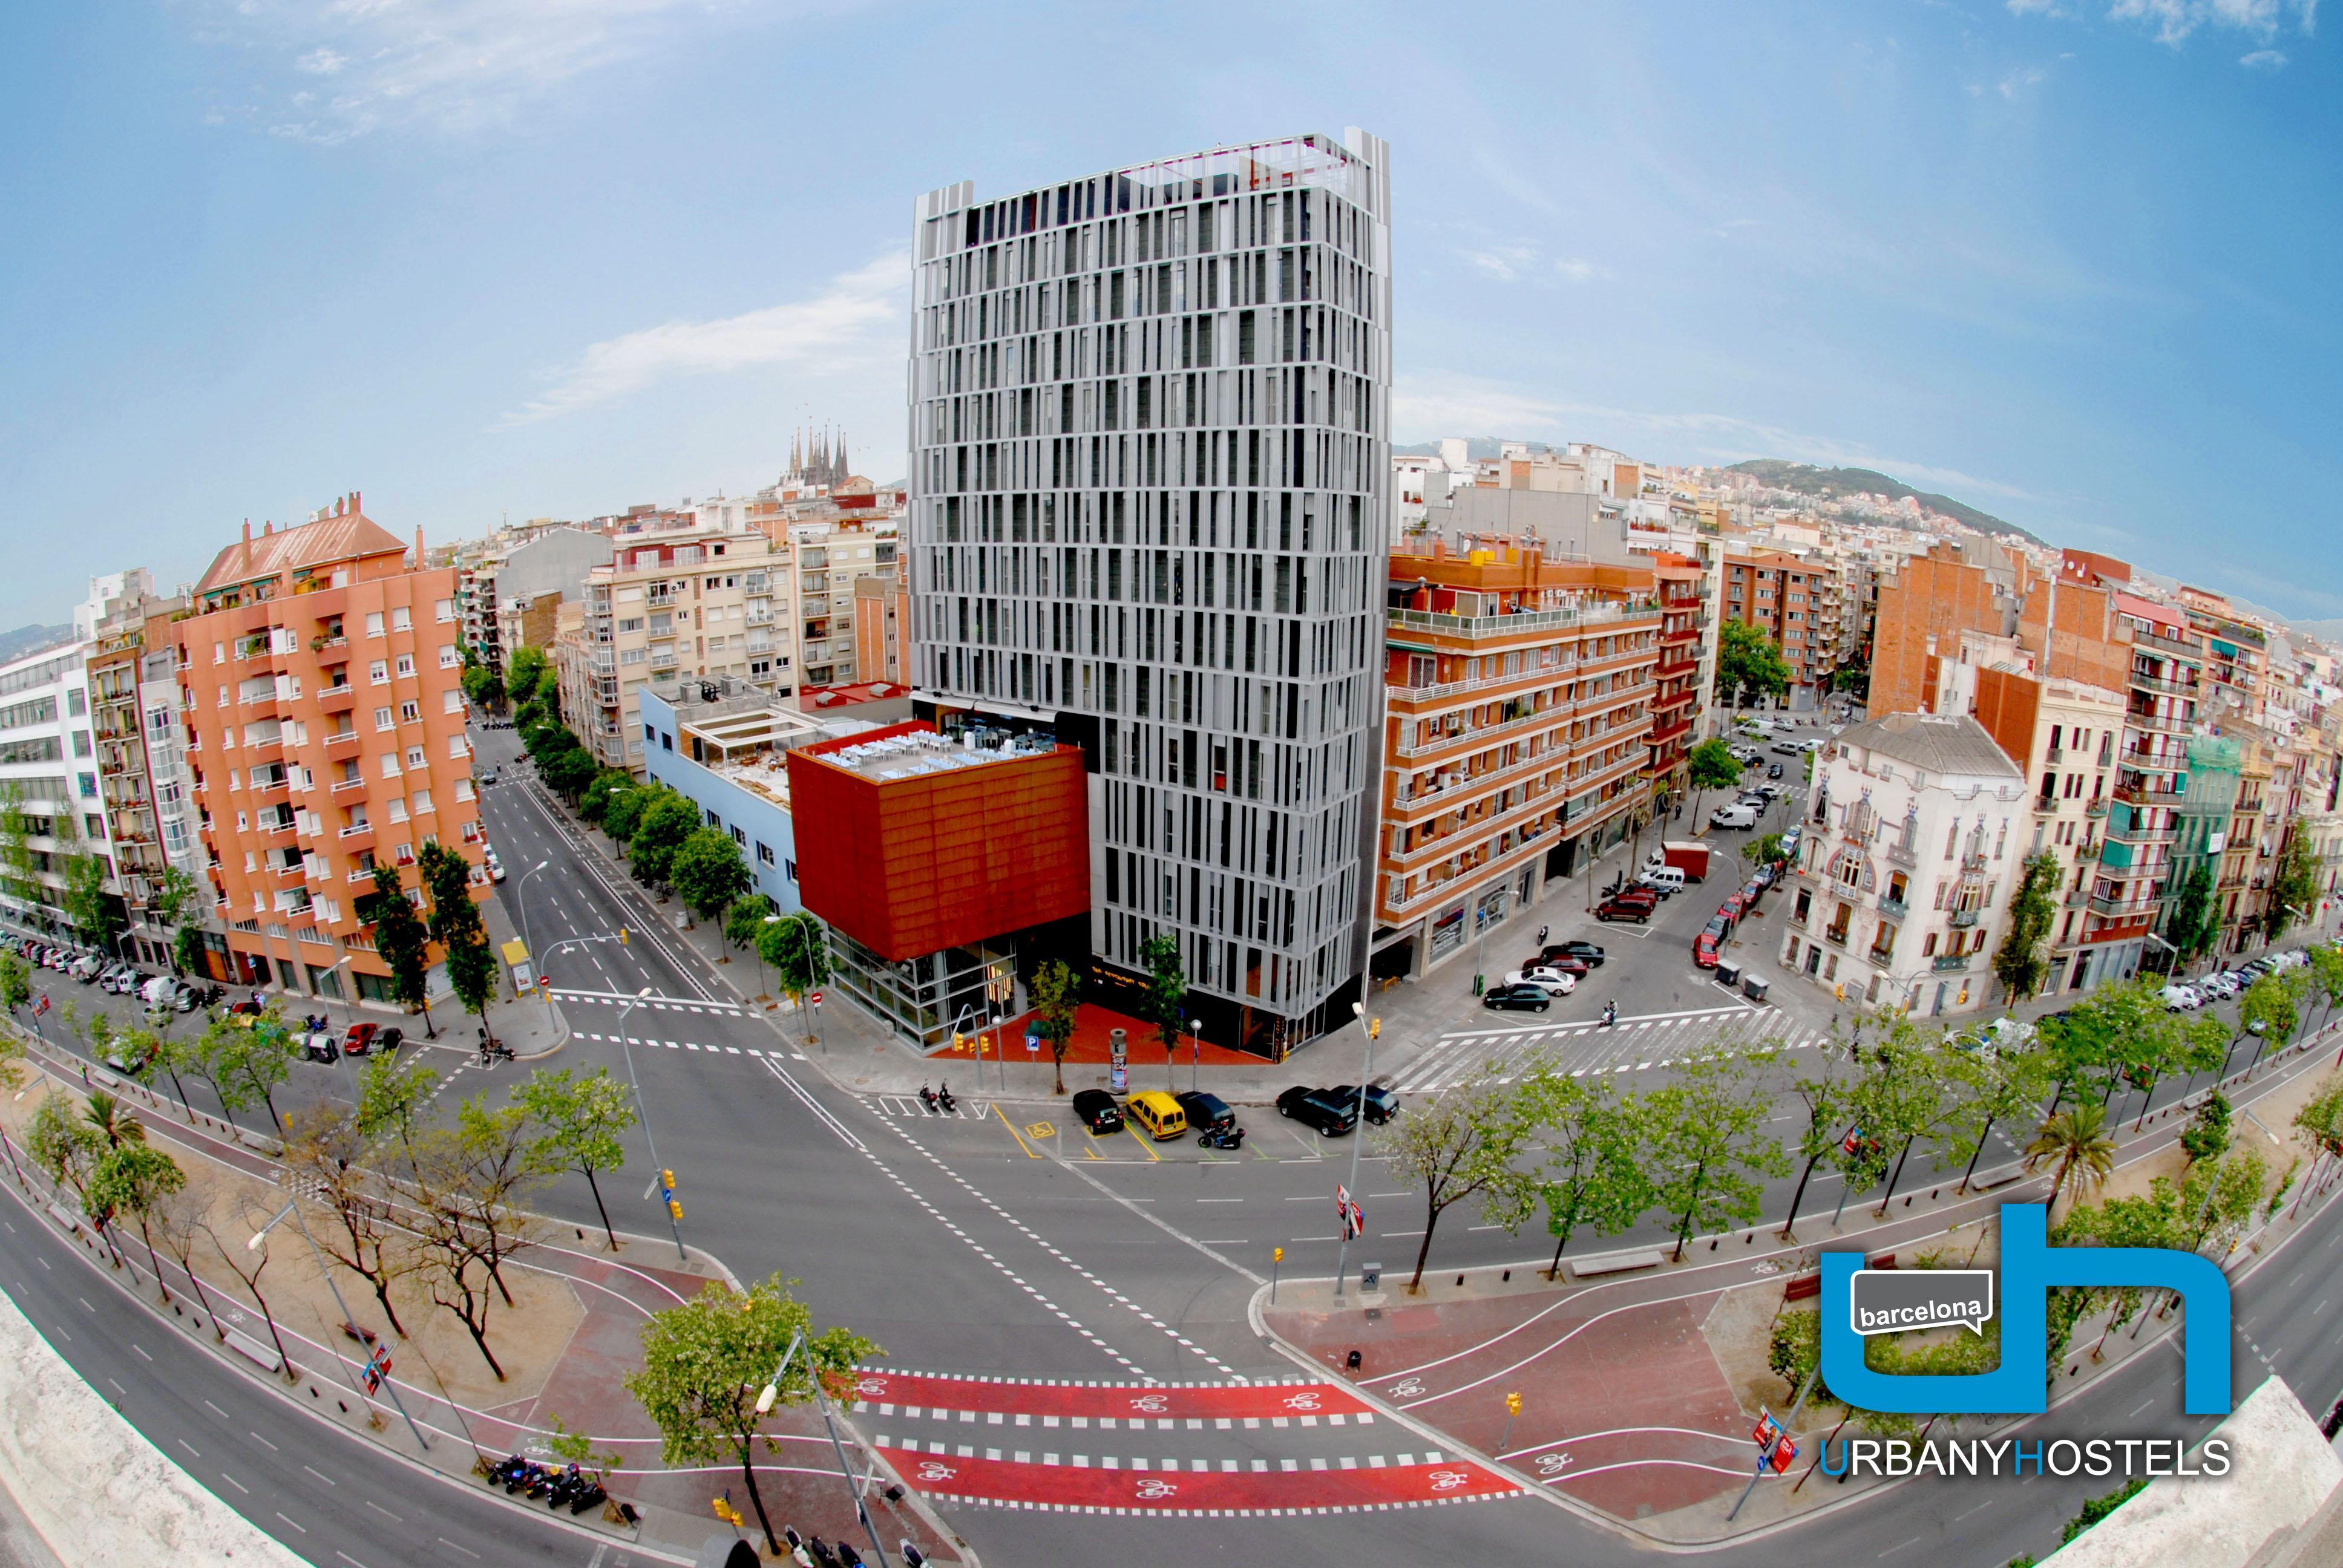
671	603
48	784
1916	839
1150	438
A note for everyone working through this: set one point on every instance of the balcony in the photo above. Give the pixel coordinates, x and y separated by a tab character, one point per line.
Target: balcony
331	650
2135	832
345	786
1519	624
1674	699
1835	936
341	741
286	871
2095	808
2143	795
338	698
1894	909
1962	919
2168	646
2121	909
1674	670
1670	730
1682	636
1950	963
2169	687
2045	805
1905	853
1973	865
356	836
2156	723
2076	898
282	825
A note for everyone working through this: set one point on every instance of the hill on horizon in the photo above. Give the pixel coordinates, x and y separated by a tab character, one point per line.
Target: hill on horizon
1836	484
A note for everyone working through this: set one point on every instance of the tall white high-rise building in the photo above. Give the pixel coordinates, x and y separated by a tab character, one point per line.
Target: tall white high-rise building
1151	456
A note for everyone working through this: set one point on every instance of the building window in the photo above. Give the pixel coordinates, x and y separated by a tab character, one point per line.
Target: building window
378	672
738	837
382	719
374	623
764	853
400	620
410	713
406	664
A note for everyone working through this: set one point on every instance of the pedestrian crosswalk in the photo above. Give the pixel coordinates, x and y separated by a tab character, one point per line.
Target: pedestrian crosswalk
907	1107
696	1046
644	1004
1579	1050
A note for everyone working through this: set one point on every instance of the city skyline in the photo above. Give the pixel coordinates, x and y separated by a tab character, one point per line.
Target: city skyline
284	256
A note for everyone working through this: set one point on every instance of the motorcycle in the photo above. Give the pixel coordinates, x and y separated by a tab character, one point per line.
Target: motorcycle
1221	1138
588	1495
848	1557
505	1469
944	1097
928	1098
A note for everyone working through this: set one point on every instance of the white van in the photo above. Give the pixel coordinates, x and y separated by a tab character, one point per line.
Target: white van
1733	817
1665	878
160	990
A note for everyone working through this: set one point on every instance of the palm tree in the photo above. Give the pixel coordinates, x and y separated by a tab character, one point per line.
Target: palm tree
2075	1145
112	1121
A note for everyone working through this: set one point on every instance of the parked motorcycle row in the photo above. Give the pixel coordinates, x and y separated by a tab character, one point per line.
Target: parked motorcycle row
568	1487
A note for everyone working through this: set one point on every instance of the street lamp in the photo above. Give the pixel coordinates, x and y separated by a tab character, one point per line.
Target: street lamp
520	902
1370	1028
772	1391
643	1112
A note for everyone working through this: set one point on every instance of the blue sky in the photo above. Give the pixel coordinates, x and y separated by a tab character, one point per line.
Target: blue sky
2073	262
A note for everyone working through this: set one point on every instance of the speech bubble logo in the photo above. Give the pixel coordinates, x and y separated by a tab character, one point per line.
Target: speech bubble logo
1895	1300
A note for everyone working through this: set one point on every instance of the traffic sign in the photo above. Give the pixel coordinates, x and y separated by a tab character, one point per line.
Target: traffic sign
545	980
1347	1211
814	997
1033	1041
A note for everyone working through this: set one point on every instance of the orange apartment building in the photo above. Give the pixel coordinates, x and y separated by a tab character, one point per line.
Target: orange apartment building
1922	609
1682	584
320	678
1518	709
1784	598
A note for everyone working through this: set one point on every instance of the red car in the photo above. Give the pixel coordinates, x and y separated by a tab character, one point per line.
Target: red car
1562	963
363	1038
1704	951
1623	910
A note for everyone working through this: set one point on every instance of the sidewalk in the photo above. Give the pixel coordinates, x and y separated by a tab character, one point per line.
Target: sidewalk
565	1346
1640	1388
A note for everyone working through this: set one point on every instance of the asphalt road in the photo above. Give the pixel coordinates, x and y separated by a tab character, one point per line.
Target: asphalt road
975	1246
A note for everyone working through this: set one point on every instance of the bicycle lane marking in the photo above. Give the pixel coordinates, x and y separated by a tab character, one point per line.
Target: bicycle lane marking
1139	1486
890	1391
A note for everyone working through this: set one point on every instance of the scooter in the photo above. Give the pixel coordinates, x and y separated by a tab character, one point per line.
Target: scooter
944	1098
590	1494
506	1470
1610	1014
928	1098
1223	1137
848	1557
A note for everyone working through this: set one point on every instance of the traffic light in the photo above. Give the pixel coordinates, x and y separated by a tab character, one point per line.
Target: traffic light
1512	1404
622	936
1375	1028
675	1208
667	1179
959	1042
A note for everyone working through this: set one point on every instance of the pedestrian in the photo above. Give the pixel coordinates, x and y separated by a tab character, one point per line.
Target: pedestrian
1350	1365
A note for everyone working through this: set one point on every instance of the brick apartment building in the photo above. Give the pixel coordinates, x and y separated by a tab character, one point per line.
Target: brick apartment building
319	674
1783	596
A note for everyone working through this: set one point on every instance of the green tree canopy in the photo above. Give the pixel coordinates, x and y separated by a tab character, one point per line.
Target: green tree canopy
1057	996
1711	765
1588	1175
1748	664
1705	1145
483	689
1462	1144
745	919
668	821
2294	884
1167	991
400	939
2194	925
708	872
584	1120
569	772
95	913
2023	961
2073	1146
706	1365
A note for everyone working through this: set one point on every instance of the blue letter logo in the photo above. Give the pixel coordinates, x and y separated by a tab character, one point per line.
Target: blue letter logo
2029	1269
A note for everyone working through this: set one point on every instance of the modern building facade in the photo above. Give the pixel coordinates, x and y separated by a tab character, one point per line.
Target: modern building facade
52	807
724	748
1150	461
321	691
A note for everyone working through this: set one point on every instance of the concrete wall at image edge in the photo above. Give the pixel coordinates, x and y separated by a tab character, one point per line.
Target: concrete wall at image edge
2282	1473
95	1489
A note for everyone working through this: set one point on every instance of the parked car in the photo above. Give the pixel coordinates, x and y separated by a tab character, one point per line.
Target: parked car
1703	949
1379	1105
1623	908
1314	1109
1632	895
363	1038
2180	997
1772	771
1733	816
1206	1113
1554	982
1788	747
1553	958
1664	881
1097	1111
1586	953
1519	998
87	967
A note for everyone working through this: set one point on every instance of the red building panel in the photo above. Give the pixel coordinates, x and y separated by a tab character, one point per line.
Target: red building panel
914	865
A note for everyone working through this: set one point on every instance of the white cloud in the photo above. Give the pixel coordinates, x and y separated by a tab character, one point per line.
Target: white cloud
2173	20
448	64
855	324
1577	271
2022	79
2263	60
1527	263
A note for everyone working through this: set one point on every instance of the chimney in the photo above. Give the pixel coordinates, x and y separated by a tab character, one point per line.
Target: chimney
419	542
267	527
353	503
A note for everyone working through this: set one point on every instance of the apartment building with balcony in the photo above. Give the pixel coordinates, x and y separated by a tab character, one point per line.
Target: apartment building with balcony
671	603
1681	587
320	687
1916	839
882	629
2135	873
1782	596
49	785
1519	706
143	779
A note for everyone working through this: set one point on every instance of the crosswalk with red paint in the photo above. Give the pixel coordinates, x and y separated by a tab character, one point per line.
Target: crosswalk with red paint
1260	1449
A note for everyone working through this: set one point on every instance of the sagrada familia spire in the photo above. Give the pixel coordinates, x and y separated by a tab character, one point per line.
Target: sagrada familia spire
812	460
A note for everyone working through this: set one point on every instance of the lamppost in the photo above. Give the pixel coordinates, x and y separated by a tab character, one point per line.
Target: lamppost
1195	1053
1370	1028
260	1238
772	1391
520	902
643	1112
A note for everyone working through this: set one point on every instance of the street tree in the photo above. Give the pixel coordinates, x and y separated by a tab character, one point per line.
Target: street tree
470	1179
1905	1093
797	949
1988	1087
2189	912
1166	993
247	1058
394	1094
706	1365
622	803
177	1221
1748	664
95	913
1825	1097
15	980
446	878
1711	765
745	919
173	906
2294	884
483	689
133	1178
2267	1012
708	872
2323	979
584	1122
160	1054
327	1154
2216	1199
524	672
594	800
2207	1135
472	976
1705	1141
401	941
570	771
64	1146
2023	961
247	1264
2075	1148
1462	1144
1057	998
1587	1175
667	821
112	1121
